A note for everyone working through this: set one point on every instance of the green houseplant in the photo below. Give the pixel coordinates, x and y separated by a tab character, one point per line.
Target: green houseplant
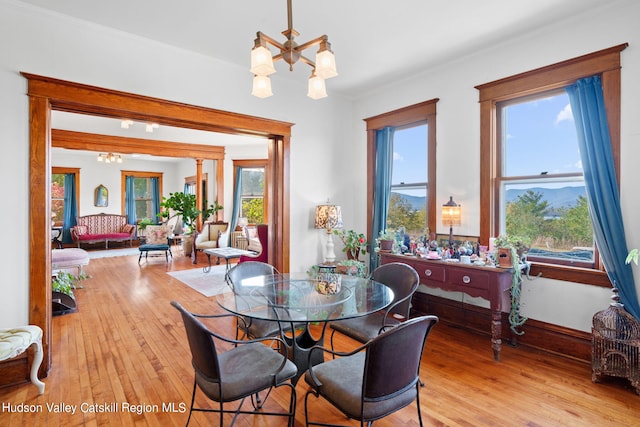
183	205
385	240
514	249
354	243
62	286
351	267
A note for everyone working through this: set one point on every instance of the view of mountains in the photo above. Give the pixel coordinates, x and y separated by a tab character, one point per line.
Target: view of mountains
556	197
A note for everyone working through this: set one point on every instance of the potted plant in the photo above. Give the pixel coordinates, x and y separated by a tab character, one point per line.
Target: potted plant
142	226
511	252
181	204
351	267
62	298
385	240
354	243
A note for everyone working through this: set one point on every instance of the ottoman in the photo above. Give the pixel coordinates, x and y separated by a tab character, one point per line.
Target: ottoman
70	258
150	247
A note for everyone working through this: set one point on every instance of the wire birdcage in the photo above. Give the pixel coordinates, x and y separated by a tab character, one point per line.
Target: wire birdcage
616	344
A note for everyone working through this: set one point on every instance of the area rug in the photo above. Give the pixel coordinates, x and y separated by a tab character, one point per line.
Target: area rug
208	284
109	253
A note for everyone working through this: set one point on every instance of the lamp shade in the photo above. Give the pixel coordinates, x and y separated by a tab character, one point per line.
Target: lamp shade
261	61
328	216
326	64
261	86
451	214
317	88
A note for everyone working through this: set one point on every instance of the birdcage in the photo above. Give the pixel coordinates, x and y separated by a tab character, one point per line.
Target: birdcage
616	344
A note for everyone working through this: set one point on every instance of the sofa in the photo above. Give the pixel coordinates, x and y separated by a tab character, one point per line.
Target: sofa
102	227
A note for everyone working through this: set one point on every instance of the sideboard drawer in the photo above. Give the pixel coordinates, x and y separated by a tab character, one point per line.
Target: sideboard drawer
430	272
468	277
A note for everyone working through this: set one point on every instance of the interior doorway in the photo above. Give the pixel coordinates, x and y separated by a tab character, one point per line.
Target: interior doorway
47	94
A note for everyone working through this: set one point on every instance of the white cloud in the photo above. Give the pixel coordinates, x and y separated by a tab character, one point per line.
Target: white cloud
565	114
397	157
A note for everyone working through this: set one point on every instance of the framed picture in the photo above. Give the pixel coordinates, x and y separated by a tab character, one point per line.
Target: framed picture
101	196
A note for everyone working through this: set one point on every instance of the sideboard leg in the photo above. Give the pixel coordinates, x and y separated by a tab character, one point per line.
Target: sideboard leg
496	330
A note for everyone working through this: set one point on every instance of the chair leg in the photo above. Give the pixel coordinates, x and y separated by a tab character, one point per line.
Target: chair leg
35	366
193	399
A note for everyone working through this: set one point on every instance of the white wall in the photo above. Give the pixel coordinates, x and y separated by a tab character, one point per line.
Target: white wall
43	43
458	134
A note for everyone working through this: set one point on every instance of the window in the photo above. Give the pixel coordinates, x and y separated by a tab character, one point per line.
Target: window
408	201
520	174
541	188
143	188
57	192
414	167
253	201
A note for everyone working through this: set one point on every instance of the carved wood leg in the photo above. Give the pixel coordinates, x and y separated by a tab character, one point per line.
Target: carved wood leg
496	329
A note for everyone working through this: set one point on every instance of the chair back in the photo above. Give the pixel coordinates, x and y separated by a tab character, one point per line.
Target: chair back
204	356
392	362
248	269
157	235
403	280
262	230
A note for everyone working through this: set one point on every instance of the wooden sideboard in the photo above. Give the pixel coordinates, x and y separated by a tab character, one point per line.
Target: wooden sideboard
490	283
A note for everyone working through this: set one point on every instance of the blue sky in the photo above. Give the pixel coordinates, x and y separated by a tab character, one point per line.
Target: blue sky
541	137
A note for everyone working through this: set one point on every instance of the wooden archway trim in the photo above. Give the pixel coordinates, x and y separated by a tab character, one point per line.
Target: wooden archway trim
47	94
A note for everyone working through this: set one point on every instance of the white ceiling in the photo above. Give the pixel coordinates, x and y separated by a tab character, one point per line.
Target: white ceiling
375	41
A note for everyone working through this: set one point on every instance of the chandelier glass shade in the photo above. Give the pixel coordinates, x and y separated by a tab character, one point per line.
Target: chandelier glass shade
324	66
109	158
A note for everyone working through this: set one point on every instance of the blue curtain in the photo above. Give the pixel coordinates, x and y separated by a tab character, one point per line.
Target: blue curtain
382	191
130	200
155	199
70	207
587	105
237	201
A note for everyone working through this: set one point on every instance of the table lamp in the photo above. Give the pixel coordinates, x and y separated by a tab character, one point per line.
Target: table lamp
329	217
451	217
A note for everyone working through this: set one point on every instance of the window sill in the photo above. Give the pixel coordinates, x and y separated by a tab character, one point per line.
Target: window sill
571	274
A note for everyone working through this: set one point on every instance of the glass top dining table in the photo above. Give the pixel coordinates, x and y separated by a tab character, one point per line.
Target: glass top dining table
296	301
299	297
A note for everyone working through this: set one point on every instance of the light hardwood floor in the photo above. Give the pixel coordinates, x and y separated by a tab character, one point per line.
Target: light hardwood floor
126	345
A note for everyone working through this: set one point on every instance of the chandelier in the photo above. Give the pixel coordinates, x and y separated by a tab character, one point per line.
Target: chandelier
109	158
262	61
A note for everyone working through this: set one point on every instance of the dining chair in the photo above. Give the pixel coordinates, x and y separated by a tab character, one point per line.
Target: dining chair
248	368
376	379
403	280
246	326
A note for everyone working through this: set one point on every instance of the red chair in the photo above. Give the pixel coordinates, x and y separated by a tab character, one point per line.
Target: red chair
261	252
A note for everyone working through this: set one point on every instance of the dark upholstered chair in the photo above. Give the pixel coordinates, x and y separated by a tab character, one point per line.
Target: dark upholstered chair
403	280
252	328
243	371
262	252
376	379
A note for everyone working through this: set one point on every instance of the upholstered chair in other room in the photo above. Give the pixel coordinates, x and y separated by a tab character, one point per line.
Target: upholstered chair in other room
248	368
376	379
213	235
157	240
403	280
258	238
